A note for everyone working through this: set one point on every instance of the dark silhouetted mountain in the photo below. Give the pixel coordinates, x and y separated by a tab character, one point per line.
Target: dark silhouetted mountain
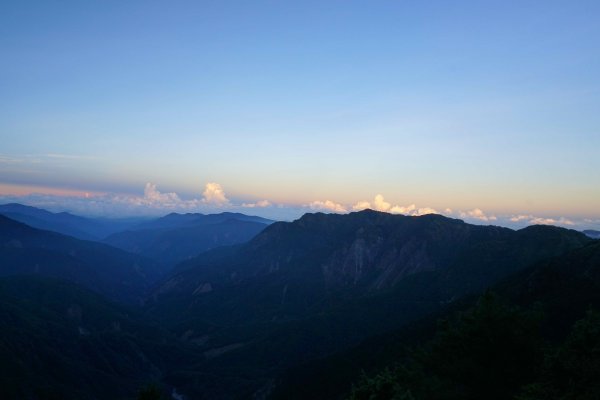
561	288
60	341
567	286
66	223
362	253
301	290
177	237
592	233
102	268
176	220
355	289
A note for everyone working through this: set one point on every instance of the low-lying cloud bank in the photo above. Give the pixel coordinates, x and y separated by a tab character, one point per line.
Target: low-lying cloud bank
475	215
213	199
152	202
377	204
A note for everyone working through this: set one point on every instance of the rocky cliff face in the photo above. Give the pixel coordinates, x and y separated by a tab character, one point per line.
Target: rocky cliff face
362	253
368	249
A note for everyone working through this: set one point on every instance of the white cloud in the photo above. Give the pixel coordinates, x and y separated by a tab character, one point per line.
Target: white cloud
403	209
155	202
361	205
477	213
327	205
519	218
152	195
152	202
412	210
379	204
552	221
214	195
424	211
541	220
258	204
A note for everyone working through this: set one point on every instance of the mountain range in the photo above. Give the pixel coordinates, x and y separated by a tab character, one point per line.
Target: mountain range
270	309
177	237
67	223
301	290
113	272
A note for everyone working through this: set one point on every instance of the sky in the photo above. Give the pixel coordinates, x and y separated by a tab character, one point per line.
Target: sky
481	110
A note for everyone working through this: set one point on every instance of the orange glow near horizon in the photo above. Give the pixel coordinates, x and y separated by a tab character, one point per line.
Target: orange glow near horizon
23	190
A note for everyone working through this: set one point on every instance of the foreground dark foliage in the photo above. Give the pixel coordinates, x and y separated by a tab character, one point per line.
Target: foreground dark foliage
494	351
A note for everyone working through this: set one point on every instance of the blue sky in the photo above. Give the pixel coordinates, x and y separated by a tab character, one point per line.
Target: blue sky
462	106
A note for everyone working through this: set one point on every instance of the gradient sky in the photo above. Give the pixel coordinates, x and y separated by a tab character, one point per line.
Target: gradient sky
463	105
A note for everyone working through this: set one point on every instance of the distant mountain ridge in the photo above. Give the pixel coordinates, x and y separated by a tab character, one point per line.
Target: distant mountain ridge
113	272
177	220
592	233
177	237
64	222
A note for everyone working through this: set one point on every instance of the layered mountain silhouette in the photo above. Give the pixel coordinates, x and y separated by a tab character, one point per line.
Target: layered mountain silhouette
301	290
176	220
66	223
297	309
298	264
113	272
177	237
592	233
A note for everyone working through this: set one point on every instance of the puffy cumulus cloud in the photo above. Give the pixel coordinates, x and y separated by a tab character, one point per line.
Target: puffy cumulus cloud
152	202
152	195
477	213
361	205
552	221
153	199
412	210
403	209
530	219
424	211
519	218
327	205
380	204
258	204
214	195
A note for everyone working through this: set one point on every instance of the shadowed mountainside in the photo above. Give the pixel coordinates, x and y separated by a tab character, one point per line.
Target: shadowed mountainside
177	237
113	272
61	341
66	223
560	289
320	284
